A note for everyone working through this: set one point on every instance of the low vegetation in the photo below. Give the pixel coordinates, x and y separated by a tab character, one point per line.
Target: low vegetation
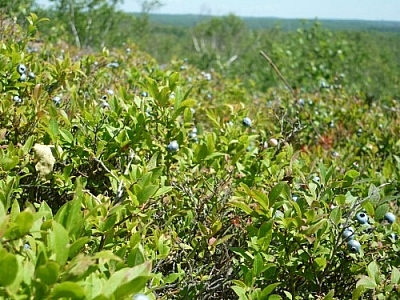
223	174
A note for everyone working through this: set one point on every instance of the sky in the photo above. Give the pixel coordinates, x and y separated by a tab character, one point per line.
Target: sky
387	10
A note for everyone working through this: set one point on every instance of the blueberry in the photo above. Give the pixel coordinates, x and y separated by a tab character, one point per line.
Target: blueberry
316	179
295	198
335	154
104	104
144	94
113	65
359	132
57	100
193	136
246	122
31	75
27	246
279	214
17	99
21	69
207	76
173	146
140	297
110	92
301	102
348	233
354	246
362	218
23	77
391	218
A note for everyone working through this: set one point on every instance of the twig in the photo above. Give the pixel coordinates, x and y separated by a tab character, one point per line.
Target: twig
278	72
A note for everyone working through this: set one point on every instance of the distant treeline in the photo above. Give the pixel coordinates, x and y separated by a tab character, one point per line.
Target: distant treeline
189	20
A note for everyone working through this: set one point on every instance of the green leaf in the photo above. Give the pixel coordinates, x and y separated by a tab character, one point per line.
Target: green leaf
8	163
67	289
59	240
53	129
162	191
395	277
8	267
276	191
358	292
76	246
48	273
366	282
336	215
146	193
66	136
135	257
136	277
241	292
24	222
241	205
373	271
330	295
380	211
269	289
257	265
321	263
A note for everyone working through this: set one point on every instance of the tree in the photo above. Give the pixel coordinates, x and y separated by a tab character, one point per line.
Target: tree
15	8
89	21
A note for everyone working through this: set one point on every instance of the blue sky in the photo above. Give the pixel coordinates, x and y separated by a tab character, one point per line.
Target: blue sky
310	9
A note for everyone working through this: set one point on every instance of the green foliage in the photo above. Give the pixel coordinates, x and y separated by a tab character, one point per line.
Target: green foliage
94	204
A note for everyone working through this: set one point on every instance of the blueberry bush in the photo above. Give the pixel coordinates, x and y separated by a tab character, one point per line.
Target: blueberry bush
121	177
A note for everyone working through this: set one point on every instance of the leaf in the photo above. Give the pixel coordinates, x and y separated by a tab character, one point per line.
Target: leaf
127	276
67	289
366	282
66	136
336	215
276	191
24	221
162	191
76	246
330	295
53	129
241	205
257	265
321	263
269	289
380	211
146	193
395	277
8	163
48	273
59	240
241	292
8	267
373	271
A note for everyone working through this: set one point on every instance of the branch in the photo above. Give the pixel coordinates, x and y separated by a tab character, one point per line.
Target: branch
278	72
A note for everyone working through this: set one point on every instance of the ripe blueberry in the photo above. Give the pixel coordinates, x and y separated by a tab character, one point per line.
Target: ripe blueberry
391	218
348	233
354	246
246	122
173	146
21	69
362	218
